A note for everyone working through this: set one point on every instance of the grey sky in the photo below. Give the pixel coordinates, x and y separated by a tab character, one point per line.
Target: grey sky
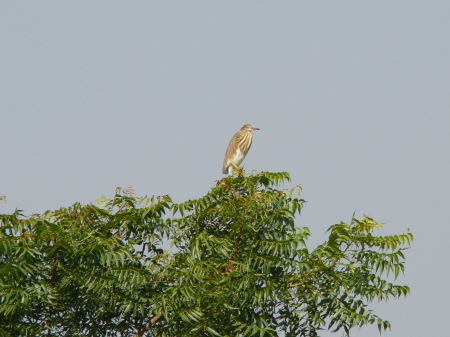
352	98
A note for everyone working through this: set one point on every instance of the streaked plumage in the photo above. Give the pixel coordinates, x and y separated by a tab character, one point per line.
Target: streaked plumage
237	148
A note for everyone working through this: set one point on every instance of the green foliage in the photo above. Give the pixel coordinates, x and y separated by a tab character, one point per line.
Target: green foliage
239	267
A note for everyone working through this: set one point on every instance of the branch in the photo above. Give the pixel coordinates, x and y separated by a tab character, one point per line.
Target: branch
148	325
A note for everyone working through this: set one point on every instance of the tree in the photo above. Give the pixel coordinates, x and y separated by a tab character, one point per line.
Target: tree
240	267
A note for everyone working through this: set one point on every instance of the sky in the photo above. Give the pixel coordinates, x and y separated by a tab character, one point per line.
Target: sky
352	99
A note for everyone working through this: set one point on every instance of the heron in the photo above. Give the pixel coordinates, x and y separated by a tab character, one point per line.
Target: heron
238	148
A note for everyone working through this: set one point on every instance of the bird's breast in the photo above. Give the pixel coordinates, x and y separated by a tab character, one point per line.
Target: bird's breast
238	157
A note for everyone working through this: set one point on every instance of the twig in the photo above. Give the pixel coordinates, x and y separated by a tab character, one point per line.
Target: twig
148	325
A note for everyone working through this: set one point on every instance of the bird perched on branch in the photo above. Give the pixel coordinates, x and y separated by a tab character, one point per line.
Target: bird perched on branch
237	148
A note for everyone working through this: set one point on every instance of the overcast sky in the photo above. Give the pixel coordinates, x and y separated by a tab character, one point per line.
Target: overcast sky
352	99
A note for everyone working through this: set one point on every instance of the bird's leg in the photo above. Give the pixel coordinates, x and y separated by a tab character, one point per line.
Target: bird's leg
235	166
238	170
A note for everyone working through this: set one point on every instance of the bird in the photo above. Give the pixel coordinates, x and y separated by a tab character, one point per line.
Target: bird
238	148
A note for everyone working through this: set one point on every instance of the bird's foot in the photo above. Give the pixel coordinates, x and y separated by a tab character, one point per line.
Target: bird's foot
239	171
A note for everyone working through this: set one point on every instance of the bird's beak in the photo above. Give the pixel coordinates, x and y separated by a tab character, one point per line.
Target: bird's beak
255	128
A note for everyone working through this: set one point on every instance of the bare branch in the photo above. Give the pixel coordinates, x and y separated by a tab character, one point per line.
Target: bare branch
148	325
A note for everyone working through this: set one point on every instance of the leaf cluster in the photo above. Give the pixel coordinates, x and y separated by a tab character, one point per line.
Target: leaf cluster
239	267
81	270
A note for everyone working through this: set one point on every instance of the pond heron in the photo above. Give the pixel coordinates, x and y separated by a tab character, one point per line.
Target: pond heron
237	148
